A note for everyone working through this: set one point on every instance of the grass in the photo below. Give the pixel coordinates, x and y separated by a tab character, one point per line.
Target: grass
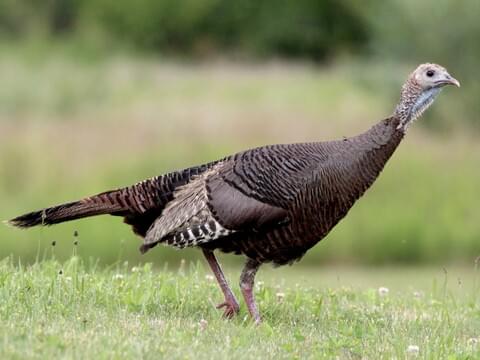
79	310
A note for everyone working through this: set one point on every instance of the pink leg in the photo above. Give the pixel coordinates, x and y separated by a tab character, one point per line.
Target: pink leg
230	304
246	285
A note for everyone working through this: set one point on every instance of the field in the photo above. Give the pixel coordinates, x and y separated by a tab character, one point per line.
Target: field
71	126
97	95
77	310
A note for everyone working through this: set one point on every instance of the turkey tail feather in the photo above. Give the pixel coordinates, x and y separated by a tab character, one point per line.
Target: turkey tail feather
92	206
139	204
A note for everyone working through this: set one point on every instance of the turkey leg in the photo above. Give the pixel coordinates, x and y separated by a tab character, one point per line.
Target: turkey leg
230	304
246	285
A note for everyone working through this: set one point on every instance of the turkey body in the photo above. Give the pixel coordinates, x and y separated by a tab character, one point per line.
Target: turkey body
270	203
273	203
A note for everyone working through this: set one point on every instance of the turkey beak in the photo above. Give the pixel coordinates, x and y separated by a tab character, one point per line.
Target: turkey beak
449	80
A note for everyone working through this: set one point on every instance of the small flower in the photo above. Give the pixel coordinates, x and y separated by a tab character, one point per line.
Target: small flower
203	324
209	277
413	349
117	277
280	296
135	269
383	291
472	341
260	284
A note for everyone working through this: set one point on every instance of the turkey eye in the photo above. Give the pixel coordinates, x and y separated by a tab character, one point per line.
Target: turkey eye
430	73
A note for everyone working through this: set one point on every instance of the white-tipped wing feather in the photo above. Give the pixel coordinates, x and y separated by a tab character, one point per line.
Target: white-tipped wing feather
208	208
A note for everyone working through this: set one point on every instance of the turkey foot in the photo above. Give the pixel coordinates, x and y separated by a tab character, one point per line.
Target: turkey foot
231	307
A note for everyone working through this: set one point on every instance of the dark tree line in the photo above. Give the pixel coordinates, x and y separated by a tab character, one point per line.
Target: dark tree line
291	28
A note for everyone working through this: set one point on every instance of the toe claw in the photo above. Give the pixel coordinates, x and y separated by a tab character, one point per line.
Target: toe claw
231	309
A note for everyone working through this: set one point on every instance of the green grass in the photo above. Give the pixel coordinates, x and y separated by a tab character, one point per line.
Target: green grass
78	310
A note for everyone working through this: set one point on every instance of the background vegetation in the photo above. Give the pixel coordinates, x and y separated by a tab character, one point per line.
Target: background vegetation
101	94
392	31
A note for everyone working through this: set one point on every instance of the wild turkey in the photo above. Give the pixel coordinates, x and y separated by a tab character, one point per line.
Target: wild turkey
270	204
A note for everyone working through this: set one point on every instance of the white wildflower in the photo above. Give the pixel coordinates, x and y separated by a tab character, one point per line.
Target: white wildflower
413	349
472	341
117	277
135	269
383	291
209	277
260	284
203	324
280	296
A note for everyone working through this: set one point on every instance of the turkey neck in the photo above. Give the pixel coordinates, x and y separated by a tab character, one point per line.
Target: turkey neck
365	155
355	164
413	102
374	148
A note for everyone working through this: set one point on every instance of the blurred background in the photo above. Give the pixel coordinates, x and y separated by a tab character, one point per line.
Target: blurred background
99	94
